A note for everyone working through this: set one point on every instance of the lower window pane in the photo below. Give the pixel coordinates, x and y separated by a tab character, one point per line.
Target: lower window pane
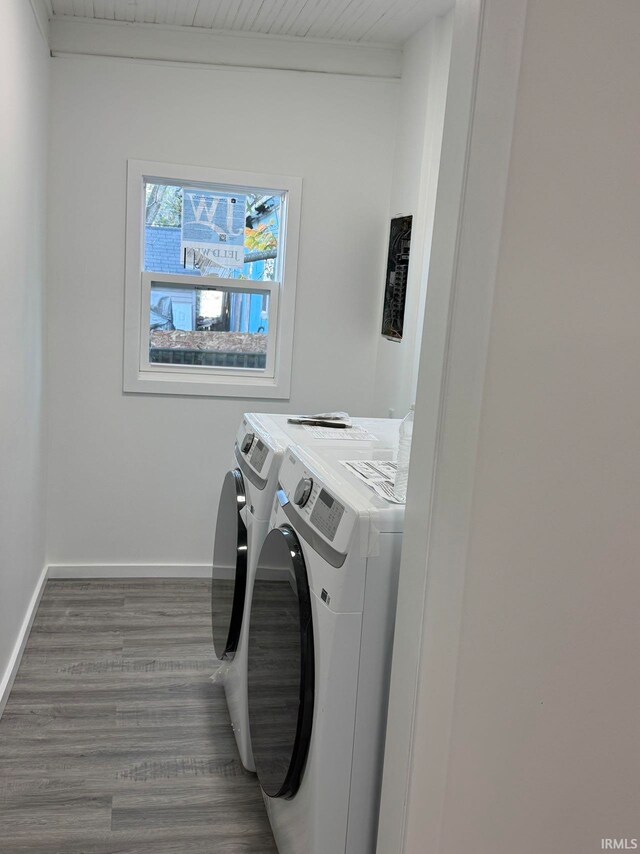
208	327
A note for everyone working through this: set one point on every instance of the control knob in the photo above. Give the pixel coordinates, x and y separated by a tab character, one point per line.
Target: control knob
303	491
247	442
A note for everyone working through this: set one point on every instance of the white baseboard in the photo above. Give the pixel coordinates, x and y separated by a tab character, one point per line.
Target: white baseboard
23	635
135	570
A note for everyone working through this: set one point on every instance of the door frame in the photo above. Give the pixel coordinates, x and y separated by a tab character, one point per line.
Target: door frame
480	112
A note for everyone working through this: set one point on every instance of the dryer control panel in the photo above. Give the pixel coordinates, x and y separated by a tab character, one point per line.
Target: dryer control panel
326	514
317	503
329	526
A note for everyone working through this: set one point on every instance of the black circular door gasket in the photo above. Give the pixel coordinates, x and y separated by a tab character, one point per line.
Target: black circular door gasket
302	740
240	580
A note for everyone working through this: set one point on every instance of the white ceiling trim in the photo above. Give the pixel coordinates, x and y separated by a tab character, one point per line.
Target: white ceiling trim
389	22
239	34
195	45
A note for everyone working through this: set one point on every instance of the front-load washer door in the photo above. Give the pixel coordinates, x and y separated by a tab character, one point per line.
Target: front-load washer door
281	667
229	579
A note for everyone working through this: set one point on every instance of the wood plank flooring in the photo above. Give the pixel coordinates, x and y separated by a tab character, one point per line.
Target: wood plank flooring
114	739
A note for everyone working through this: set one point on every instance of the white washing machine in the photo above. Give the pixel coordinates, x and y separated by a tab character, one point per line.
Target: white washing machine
319	654
245	505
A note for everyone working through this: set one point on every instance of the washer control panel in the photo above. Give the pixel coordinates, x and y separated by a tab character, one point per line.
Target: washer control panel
258	455
326	514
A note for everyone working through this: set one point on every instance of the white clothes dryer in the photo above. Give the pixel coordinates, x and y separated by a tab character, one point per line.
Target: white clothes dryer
319	654
244	509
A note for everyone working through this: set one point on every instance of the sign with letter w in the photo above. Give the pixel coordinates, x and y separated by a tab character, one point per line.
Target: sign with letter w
213	229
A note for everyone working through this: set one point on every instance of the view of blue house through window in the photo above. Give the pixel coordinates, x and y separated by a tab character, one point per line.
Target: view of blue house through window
209	232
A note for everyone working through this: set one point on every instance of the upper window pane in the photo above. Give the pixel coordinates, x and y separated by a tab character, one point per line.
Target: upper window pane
211	230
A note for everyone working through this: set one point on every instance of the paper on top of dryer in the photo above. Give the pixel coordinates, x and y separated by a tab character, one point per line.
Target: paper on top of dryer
377	474
357	433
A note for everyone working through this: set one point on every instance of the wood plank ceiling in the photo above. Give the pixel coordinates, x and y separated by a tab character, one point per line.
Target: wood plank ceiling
381	21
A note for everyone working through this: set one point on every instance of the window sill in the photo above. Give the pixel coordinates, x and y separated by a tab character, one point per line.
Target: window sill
192	384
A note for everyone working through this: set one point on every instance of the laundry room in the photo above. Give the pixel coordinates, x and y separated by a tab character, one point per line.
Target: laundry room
251	244
160	347
360	145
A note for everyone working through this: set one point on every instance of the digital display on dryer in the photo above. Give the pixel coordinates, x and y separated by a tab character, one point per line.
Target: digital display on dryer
326	498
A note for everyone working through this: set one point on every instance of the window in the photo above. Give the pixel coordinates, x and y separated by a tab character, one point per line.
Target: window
210	281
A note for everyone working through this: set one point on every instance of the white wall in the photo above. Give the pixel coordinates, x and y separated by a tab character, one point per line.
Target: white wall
135	478
23	156
415	175
544	742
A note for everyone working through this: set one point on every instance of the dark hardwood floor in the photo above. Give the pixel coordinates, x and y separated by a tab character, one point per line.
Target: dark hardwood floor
115	739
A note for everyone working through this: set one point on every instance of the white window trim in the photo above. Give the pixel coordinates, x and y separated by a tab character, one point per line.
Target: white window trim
141	376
